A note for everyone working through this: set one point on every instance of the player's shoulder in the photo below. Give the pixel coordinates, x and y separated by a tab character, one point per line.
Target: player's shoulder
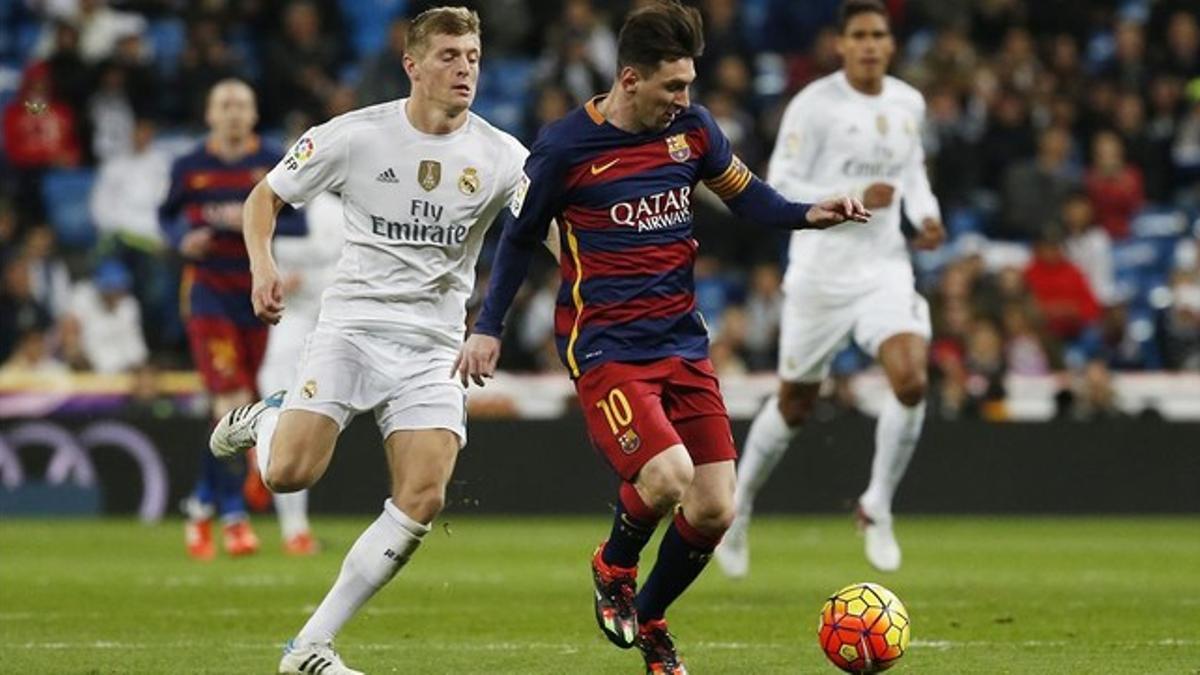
495	138
904	93
822	88
368	117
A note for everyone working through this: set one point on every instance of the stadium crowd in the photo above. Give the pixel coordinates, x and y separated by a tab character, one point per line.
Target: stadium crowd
1063	142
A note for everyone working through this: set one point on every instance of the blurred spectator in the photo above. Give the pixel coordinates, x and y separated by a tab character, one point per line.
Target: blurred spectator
1180	323
1064	298
1024	351
383	77
1092	396
49	280
39	134
553	103
70	77
1034	190
723	36
1008	138
764	306
1089	246
1182	53
1128	68
301	66
1186	150
1114	186
33	354
110	114
124	205
100	28
20	312
727	346
206	59
110	320
712	290
950	140
1161	124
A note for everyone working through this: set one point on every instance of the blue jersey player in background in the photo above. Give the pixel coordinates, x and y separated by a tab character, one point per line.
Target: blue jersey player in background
202	218
618	175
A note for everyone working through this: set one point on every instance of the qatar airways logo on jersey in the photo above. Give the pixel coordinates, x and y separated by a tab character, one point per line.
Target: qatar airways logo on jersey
660	211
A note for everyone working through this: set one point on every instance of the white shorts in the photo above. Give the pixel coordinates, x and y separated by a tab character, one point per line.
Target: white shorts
815	326
342	374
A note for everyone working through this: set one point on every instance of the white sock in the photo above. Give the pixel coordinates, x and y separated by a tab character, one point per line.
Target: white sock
262	439
292	509
768	440
896	436
373	560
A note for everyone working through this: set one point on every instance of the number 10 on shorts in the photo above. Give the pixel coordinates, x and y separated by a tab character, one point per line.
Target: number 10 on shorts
616	410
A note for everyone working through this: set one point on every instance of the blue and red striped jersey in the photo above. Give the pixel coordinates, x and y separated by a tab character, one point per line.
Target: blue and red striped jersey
623	203
208	192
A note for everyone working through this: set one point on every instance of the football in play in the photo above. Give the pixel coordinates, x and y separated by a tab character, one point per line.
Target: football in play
864	628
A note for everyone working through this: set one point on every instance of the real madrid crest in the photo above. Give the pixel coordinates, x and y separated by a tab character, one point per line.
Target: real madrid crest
309	390
468	182
429	174
881	123
678	148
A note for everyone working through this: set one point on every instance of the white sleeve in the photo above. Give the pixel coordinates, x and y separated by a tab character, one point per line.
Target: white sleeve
801	141
316	163
919	200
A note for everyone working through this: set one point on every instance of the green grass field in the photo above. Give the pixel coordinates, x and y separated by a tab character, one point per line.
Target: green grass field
492	595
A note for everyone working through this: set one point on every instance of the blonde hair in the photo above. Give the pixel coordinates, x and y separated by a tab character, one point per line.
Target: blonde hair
439	21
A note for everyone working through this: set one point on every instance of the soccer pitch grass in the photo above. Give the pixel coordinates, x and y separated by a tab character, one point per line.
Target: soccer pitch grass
513	595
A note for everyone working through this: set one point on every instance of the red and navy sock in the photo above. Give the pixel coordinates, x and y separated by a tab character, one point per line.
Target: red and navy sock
681	557
633	525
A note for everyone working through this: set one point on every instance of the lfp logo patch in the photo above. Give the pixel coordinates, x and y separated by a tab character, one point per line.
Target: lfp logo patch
301	153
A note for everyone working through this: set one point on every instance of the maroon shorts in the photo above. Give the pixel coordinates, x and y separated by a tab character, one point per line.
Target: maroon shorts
636	410
228	356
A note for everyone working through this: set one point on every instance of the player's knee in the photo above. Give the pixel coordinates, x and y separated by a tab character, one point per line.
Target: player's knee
663	483
421	503
910	388
284	475
713	517
795	409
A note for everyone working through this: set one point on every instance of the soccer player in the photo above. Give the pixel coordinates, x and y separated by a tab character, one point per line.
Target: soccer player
856	131
618	175
202	218
421	179
307	266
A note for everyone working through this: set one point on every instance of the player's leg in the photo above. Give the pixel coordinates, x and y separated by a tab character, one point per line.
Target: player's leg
215	352
897	432
895	327
627	425
421	462
696	528
812	329
285	347
692	400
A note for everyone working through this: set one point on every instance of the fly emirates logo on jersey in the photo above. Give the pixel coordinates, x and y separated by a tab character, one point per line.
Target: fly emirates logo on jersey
422	226
661	211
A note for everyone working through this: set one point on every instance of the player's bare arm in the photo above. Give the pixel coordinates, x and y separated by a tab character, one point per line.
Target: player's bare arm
258	218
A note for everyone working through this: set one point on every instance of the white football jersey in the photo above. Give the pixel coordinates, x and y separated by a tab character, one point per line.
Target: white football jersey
416	207
834	140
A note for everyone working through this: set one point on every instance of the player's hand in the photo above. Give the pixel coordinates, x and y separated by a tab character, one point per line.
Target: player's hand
266	295
195	244
837	210
931	235
477	359
878	196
